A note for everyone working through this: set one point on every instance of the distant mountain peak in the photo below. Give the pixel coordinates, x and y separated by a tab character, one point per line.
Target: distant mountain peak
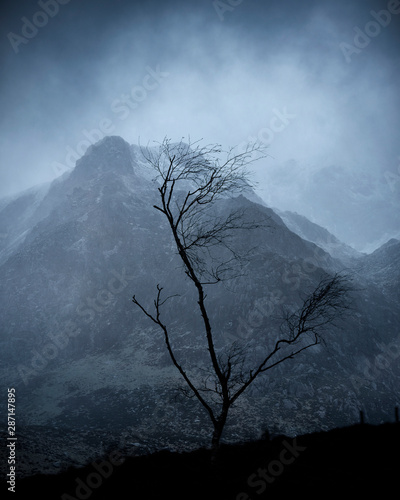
389	247
112	153
390	243
111	141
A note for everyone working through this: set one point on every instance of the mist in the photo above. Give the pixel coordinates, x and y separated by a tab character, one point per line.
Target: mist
289	75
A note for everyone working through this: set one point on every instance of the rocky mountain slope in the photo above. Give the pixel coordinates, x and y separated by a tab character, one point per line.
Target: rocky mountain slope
82	357
320	236
382	267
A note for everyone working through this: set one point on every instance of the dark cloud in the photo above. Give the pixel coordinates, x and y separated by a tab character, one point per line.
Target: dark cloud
228	69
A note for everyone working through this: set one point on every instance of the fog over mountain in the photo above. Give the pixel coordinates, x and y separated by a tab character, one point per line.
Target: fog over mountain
305	79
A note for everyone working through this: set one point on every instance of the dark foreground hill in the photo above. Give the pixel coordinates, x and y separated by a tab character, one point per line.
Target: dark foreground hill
352	460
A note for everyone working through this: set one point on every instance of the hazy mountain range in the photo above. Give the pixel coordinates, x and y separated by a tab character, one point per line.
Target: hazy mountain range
82	357
361	207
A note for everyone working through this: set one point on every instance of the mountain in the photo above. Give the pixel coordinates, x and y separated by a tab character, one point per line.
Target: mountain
368	202
382	267
17	218
86	362
320	236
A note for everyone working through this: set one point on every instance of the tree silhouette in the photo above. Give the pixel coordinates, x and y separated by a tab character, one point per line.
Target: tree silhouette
191	180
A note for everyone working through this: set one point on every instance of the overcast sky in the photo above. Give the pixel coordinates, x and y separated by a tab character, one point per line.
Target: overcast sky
290	73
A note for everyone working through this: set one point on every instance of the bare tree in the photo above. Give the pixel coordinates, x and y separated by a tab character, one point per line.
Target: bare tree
191	180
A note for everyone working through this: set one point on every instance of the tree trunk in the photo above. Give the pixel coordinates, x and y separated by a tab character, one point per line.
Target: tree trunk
216	437
219	425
